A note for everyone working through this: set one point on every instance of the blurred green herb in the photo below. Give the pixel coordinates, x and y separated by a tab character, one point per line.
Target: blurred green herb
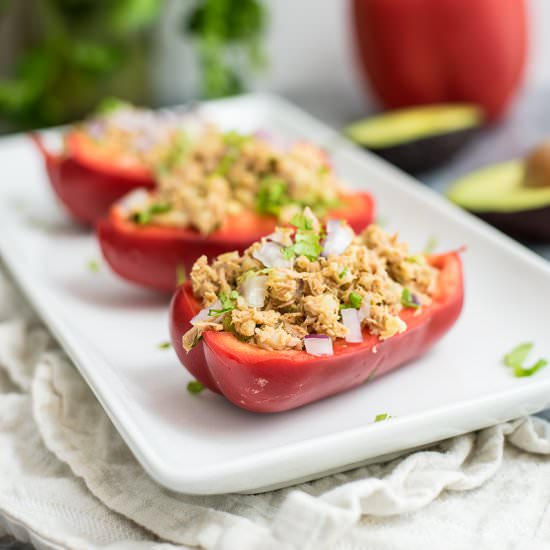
195	387
229	36
78	51
431	245
516	360
164	345
94	266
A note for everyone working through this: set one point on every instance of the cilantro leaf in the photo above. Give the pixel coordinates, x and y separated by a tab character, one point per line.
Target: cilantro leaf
355	300
520	372
517	357
343	273
431	245
234	139
143	217
175	155
195	387
408	299
382	416
228	302
306	241
272	195
94	266
299	221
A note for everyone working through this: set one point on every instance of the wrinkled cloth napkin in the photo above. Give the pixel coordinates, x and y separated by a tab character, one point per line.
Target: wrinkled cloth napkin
67	480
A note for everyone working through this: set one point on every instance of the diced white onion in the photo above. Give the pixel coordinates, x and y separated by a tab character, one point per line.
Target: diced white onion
133	200
253	290
364	310
271	255
275	237
318	344
350	319
339	237
204	314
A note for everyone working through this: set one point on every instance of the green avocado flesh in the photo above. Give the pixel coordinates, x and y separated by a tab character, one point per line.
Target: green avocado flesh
498	188
406	125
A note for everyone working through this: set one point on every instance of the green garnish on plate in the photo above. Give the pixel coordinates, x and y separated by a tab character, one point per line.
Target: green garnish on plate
517	357
164	345
407	299
94	266
195	387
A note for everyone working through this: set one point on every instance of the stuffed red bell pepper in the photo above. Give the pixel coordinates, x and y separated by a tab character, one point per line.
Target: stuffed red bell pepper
310	312
109	155
224	192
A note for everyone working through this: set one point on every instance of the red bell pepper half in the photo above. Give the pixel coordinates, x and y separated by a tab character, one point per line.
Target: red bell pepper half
152	256
272	381
88	181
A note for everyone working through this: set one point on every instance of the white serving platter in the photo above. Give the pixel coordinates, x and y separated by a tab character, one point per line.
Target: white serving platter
203	444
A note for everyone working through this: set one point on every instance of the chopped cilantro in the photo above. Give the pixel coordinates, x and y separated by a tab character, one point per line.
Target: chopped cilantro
94	266
343	273
234	142
195	387
417	259
164	345
520	372
517	357
306	241
301	221
228	301
197	339
226	162
408	299
111	104
431	245
381	221
307	244
355	300
288	252
323	171
144	217
382	416
181	276
234	139
272	195
175	155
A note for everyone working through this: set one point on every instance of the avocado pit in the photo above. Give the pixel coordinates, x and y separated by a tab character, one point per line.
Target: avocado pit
537	166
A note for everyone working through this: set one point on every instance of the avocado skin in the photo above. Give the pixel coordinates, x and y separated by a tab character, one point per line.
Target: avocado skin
423	154
531	225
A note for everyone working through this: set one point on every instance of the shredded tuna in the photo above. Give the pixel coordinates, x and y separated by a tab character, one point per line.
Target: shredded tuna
369	275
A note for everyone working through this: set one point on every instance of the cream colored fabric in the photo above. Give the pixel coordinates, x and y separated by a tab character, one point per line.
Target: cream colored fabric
67	480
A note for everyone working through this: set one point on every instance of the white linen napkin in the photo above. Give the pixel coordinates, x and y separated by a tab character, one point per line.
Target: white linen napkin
67	480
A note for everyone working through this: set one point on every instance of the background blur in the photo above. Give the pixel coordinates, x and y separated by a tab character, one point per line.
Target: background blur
165	52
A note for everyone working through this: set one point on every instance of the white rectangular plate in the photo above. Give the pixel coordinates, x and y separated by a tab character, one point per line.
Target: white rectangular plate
203	444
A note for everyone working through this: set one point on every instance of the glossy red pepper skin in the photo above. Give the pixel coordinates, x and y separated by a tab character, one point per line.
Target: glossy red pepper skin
267	381
152	255
87	187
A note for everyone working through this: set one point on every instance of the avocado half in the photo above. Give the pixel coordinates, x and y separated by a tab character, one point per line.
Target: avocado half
498	195
420	138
